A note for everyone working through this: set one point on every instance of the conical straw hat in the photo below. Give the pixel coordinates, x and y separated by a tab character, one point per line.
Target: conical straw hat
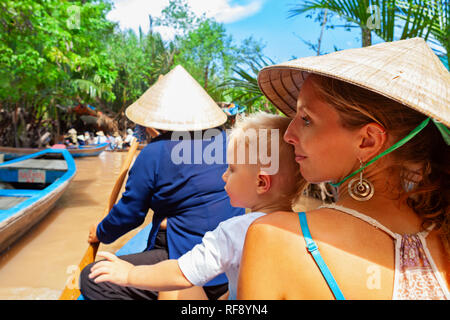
176	102
406	71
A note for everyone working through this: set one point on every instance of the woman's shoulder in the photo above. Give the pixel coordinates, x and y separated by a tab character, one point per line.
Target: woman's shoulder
279	235
326	226
290	219
280	226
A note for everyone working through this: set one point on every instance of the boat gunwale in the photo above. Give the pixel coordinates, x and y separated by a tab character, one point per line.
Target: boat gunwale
81	151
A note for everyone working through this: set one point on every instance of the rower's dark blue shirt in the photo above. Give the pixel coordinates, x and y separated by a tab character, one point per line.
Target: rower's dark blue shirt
191	195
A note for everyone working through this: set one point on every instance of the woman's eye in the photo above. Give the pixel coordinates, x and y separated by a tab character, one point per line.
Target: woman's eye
306	120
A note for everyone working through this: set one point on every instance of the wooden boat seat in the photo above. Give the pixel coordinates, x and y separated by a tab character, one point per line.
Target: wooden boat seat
43	164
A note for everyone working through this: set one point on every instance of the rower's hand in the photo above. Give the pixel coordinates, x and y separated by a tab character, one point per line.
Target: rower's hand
112	269
92	238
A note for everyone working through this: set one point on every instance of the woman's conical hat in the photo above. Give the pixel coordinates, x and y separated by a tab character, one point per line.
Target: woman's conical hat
406	71
176	102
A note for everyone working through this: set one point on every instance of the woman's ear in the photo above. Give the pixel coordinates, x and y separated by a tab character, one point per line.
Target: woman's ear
263	182
372	140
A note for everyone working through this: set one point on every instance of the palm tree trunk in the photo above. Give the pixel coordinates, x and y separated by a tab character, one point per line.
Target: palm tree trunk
324	21
366	36
206	77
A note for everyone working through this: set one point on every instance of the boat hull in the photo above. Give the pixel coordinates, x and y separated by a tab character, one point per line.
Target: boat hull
88	151
34	205
10	153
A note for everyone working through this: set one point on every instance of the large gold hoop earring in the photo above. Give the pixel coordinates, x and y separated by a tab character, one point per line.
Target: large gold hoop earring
359	188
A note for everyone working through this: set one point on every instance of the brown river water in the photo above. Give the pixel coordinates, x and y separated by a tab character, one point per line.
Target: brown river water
39	264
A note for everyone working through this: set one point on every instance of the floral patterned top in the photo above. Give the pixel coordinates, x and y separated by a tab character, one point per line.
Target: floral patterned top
416	276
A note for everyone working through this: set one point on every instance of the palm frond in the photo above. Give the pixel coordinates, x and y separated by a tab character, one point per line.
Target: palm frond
94	89
435	12
387	13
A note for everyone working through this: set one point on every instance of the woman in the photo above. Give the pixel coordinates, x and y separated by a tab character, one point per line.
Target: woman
187	199
361	123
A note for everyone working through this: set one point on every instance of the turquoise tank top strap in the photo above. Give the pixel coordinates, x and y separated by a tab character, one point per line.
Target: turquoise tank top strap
314	251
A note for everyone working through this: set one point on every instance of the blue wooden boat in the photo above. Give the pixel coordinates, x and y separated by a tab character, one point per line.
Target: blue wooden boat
136	244
29	188
90	150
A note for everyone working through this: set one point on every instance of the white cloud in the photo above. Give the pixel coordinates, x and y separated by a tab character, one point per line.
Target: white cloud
134	13
223	11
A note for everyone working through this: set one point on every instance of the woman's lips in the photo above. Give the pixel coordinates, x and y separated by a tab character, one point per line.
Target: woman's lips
299	158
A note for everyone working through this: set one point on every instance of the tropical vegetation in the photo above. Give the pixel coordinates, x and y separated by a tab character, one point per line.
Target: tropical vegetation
56	56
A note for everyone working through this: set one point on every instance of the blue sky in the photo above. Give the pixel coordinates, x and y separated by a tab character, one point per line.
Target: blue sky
283	36
265	20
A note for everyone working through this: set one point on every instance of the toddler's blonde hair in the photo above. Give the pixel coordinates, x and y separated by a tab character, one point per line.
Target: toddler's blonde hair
292	183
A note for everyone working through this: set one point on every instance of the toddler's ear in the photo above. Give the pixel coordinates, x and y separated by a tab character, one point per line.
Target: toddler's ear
263	182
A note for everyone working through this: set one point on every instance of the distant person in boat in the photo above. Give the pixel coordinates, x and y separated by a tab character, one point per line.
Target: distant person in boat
87	138
374	123
178	176
80	139
248	185
100	138
128	138
118	140
112	142
71	138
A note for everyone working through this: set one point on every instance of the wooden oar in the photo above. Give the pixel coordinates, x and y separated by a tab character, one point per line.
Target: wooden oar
71	291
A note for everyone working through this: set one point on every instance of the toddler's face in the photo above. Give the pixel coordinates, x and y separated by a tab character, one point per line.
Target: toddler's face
240	183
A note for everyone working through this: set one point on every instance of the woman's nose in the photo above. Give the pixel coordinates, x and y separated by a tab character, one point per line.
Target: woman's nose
290	135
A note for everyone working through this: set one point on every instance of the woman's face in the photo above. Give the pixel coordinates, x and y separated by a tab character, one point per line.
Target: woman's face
324	149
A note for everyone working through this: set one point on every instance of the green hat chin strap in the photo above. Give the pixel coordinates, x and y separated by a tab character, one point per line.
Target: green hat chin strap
445	132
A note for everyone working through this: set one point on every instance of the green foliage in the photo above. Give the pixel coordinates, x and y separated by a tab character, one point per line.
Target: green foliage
49	48
209	54
243	88
441	24
438	11
206	51
379	16
55	54
179	16
139	60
